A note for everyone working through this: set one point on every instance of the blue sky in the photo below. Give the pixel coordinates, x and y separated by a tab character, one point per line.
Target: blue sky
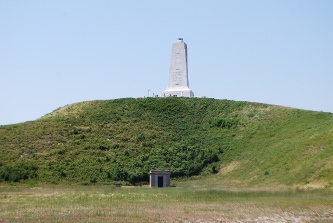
54	53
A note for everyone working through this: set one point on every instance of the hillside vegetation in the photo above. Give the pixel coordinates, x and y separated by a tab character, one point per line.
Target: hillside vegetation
220	140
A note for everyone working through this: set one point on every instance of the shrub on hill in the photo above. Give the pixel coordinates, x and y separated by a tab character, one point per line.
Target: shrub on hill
16	172
182	161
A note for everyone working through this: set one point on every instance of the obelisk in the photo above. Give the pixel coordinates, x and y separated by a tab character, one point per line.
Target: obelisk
178	84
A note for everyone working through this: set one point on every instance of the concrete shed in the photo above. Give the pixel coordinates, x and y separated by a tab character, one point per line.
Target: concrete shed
159	178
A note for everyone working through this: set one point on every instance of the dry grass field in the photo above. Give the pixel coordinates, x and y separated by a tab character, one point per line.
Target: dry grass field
183	203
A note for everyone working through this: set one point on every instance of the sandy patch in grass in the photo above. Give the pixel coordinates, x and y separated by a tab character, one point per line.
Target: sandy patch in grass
234	165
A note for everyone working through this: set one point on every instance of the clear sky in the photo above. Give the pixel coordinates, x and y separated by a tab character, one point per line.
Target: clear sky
59	52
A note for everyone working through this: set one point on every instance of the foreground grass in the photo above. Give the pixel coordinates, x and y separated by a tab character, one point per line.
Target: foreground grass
184	203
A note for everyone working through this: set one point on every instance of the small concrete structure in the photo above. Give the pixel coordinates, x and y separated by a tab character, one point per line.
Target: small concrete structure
159	178
178	84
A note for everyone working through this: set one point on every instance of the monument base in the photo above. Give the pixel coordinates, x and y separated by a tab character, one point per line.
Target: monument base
178	93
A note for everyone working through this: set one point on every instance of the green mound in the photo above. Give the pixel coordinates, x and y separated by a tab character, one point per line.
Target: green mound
220	140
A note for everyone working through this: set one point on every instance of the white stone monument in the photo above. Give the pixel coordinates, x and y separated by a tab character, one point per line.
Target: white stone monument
178	84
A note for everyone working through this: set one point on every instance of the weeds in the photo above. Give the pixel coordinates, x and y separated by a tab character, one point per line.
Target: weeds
142	204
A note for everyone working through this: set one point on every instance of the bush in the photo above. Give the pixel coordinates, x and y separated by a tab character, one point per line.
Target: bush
189	161
18	171
224	123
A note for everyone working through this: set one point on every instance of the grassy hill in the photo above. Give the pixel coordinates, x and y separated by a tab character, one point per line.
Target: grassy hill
222	141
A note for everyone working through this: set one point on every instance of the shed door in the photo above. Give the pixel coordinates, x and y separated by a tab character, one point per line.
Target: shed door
160	181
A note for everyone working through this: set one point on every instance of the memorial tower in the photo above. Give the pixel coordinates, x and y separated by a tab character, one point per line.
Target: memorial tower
178	84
